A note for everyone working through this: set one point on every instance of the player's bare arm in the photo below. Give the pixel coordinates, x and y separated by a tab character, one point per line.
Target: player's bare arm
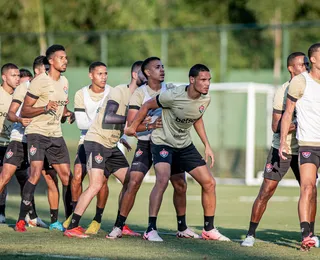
285	126
140	116
146	124
201	131
28	110
276	123
14	118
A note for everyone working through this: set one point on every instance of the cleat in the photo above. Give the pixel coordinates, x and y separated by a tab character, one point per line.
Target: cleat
2	219
128	232
67	222
316	241
188	233
56	226
75	232
248	241
115	233
93	228
20	226
306	243
36	222
213	234
152	236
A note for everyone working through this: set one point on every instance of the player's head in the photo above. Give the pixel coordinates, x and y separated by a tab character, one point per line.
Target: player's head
153	69
25	75
199	77
136	73
314	55
10	75
297	62
40	65
98	74
57	57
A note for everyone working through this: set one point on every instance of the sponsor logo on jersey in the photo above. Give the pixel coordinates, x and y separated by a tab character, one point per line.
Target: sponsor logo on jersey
65	89
164	153
139	153
9	154
269	167
33	150
201	109
98	158
305	154
186	120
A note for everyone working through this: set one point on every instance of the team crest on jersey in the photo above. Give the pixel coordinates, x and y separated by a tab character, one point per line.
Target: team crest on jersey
9	154
33	150
65	89
201	109
98	158
164	153
306	154
139	153
269	167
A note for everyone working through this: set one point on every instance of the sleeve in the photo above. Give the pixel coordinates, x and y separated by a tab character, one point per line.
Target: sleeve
36	87
78	101
19	94
296	88
165	99
278	104
115	95
136	100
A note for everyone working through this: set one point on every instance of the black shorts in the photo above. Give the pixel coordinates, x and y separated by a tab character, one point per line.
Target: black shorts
17	155
142	160
54	148
309	154
108	159
276	168
81	155
181	159
3	150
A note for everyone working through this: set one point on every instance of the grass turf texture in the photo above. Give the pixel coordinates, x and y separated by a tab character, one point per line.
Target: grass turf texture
278	233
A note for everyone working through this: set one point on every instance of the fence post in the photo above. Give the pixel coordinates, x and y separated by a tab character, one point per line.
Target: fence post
285	50
104	48
223	54
0	50
164	47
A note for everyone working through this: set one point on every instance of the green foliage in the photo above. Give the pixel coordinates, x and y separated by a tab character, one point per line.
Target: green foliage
64	20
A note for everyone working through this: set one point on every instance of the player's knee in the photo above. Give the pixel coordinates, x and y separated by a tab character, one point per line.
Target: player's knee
95	187
134	185
65	179
308	189
209	185
162	182
180	186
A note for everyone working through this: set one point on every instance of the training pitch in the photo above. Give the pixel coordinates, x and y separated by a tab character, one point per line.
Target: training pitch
278	233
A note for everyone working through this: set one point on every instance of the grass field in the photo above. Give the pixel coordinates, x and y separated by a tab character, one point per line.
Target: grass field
278	232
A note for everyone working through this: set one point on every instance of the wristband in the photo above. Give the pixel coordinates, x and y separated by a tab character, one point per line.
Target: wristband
147	127
45	109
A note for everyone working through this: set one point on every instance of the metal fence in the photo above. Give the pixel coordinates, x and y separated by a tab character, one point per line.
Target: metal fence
222	47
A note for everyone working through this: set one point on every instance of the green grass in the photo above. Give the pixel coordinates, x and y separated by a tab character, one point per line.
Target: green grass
278	231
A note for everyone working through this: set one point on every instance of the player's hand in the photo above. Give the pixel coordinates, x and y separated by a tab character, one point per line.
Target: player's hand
147	120
126	144
283	149
209	154
25	121
157	123
129	131
70	116
51	107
